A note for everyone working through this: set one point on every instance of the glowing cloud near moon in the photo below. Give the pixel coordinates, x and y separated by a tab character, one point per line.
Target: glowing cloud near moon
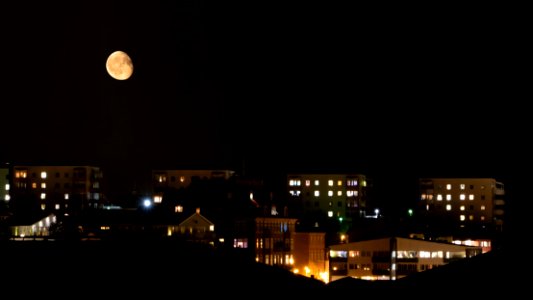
119	65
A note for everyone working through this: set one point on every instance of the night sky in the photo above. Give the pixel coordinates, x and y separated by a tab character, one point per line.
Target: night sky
395	92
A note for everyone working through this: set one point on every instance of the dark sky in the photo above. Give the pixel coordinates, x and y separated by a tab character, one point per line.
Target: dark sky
396	92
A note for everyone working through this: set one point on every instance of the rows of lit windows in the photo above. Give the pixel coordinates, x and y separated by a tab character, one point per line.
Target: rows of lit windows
462	187
298	182
449	197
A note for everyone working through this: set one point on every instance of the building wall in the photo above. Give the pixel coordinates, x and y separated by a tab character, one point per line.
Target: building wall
274	241
183	178
52	188
310	254
4	185
392	258
462	202
337	195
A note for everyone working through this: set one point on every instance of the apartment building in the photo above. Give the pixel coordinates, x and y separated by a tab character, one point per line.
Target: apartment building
455	206
392	258
55	188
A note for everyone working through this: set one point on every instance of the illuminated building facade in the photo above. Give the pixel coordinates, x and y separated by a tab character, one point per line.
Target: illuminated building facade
310	255
335	195
56	188
392	258
274	241
4	185
455	206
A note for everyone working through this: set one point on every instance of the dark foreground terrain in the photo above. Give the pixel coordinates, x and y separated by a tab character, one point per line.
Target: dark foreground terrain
172	270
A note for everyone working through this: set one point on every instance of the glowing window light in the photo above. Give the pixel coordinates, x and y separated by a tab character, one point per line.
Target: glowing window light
448	197
317	182
339	182
7	197
317	193
330	193
43	196
43	206
462	197
448	186
43	185
57	207
482	207
462	207
462	217
7	186
330	213
43	175
330	182
211	227
339	193
66	196
448	207
439	197
471	197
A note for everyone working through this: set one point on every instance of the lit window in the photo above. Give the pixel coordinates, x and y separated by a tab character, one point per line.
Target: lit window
294	182
482	207
471	217
482	218
178	208
43	175
211	227
43	185
427	206
330	182
308	183
330	193
7	197
462	197
462	207
330	213
317	193
349	193
66	196
462	217
339	193
423	197
317	183
471	197
462	186
158	199
182	179
439	197
7	186
448	197
34	185
430	196
43	196
448	186
57	206
363	183
351	182
43	206
448	207
339	182
295	193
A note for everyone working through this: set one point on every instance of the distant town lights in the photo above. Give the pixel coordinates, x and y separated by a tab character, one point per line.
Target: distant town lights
147	203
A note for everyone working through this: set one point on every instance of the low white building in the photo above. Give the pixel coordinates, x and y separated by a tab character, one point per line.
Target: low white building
392	258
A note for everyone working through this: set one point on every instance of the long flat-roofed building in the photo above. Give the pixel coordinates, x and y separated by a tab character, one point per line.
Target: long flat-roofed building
392	258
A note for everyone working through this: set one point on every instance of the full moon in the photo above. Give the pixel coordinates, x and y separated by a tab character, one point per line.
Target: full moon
119	65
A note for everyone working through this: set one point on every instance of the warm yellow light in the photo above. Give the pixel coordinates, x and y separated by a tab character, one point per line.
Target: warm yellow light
296	271
307	270
343	237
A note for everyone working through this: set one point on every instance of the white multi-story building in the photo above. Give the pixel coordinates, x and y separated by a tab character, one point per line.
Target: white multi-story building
452	204
392	258
53	188
337	195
